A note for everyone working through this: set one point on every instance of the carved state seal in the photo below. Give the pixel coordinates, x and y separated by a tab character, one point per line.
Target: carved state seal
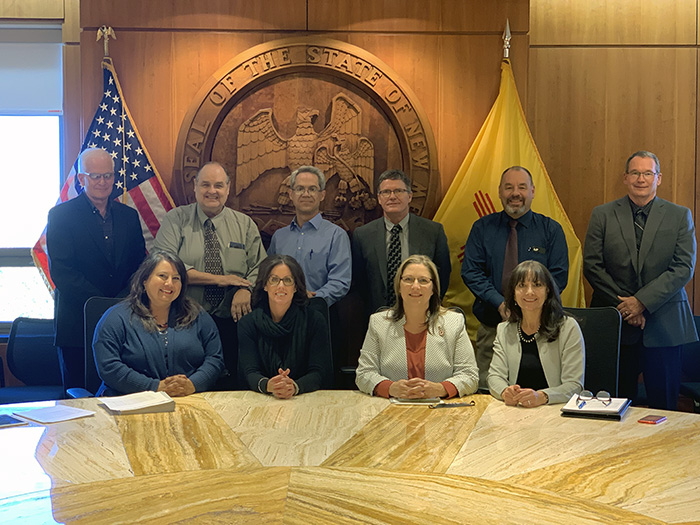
308	100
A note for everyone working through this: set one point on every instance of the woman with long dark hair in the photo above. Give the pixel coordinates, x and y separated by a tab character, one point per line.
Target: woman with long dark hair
417	349
538	353
157	338
283	344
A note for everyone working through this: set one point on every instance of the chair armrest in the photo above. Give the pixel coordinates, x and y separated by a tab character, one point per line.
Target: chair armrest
77	393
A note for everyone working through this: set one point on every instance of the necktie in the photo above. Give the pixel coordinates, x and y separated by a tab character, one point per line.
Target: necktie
640	221
510	260
393	261
212	264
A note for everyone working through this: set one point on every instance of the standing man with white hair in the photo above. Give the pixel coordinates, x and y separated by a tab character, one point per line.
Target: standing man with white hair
94	246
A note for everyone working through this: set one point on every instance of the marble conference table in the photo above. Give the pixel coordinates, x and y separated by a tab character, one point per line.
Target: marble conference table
343	457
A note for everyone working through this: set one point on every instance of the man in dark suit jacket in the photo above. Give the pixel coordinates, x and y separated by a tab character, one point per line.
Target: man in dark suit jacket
94	246
638	256
370	243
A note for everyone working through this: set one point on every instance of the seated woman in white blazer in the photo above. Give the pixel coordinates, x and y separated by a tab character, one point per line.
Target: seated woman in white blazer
539	352
417	349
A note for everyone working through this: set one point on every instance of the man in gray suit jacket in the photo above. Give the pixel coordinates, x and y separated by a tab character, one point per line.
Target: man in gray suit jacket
371	243
638	256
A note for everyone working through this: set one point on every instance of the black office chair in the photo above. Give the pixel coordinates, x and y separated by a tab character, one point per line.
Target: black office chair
601	332
94	309
32	358
690	370
319	304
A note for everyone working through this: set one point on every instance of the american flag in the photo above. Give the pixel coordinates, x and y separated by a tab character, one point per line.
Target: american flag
136	180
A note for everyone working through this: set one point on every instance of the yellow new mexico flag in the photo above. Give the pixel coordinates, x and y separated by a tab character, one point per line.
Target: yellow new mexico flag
503	141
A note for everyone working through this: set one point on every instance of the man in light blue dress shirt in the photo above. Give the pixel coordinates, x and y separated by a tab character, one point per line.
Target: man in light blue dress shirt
321	247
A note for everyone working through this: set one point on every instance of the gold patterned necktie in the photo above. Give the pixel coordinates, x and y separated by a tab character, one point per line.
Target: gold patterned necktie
393	261
212	264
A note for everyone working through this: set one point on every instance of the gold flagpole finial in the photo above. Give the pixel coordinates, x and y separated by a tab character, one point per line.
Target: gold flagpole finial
506	40
105	33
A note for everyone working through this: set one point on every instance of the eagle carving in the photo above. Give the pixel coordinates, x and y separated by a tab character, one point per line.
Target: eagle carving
339	148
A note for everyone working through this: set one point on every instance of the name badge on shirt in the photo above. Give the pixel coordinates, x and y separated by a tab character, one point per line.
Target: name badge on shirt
236	245
537	249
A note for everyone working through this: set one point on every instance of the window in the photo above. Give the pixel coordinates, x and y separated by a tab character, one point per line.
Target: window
31	97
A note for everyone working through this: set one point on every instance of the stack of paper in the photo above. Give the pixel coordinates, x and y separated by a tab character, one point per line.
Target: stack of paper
140	403
54	414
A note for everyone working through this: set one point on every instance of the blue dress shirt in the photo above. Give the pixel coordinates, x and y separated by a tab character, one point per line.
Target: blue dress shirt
322	249
540	238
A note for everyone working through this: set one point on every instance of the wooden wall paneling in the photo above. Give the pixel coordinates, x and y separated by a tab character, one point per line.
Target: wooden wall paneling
605	22
470	76
203	14
651	104
71	22
32	9
417	15
72	123
567	116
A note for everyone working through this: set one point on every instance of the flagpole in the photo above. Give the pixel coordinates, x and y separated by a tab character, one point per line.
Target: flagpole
506	40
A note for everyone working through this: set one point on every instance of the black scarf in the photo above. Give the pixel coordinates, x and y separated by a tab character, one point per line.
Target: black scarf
274	356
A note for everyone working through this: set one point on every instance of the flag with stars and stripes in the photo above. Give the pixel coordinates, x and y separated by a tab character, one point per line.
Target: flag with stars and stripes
136	179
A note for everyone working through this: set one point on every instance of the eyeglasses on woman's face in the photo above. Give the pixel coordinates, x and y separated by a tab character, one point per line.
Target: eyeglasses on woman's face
274	280
409	280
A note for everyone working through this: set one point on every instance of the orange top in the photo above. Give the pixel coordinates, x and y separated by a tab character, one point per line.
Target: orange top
415	359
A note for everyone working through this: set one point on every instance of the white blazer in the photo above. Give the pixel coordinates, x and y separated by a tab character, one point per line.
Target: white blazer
562	361
449	355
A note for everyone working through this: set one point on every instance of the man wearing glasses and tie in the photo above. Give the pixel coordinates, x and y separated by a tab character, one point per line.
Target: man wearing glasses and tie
639	254
94	246
379	246
221	249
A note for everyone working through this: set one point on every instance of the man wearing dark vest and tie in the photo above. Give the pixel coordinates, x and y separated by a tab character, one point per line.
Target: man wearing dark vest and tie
379	246
500	241
638	256
221	249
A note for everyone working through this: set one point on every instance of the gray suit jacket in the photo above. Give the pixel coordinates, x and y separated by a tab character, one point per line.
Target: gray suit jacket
425	237
657	276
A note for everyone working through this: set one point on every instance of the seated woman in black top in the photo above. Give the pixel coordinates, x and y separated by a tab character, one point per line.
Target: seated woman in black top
283	344
538	353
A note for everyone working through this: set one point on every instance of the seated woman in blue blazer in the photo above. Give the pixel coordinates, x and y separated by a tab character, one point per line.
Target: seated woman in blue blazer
157	338
417	349
283	344
538	353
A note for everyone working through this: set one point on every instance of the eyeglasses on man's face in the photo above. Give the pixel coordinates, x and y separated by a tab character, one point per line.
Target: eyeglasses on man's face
273	280
399	192
99	176
423	281
646	174
300	190
587	396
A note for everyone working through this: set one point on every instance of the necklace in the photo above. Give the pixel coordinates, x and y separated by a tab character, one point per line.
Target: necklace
527	339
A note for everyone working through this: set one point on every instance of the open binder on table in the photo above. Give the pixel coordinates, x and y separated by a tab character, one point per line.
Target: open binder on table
595	408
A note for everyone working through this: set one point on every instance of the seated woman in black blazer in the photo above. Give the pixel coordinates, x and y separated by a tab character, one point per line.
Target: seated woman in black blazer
283	344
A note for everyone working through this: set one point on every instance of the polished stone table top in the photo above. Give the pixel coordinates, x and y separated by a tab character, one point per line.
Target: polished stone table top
344	457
